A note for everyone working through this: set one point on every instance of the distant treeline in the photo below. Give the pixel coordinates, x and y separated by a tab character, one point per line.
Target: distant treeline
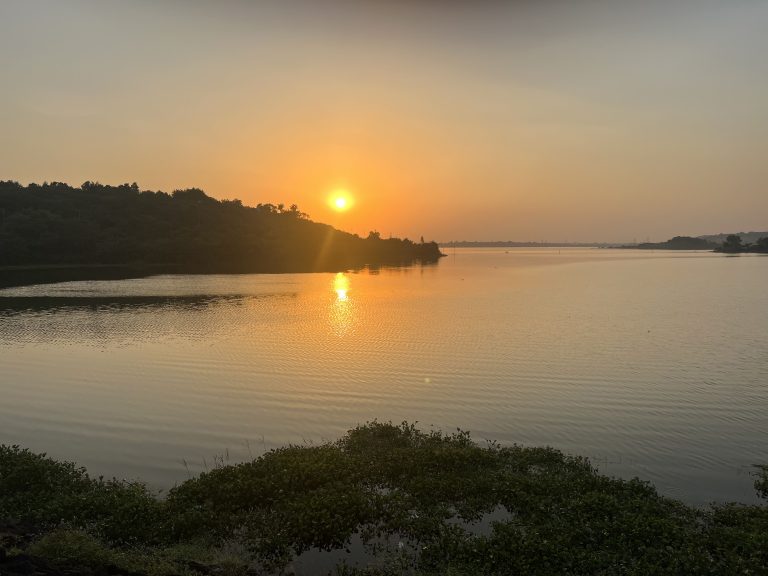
676	243
511	244
734	245
731	244
746	237
55	224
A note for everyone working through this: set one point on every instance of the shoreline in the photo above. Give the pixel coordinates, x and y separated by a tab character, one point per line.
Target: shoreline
29	275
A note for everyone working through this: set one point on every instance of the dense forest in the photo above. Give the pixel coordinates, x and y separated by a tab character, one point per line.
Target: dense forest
54	224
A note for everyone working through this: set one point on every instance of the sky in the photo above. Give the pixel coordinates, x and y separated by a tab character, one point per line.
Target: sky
553	120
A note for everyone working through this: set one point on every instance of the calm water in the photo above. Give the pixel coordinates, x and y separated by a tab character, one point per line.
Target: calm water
652	364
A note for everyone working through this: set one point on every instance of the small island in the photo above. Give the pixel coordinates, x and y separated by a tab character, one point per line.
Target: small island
56	230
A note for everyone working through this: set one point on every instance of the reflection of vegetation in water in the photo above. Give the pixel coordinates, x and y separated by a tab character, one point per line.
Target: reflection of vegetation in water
564	518
19	304
30	275
119	319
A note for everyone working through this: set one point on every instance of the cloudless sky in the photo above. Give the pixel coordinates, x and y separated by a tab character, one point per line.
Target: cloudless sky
526	120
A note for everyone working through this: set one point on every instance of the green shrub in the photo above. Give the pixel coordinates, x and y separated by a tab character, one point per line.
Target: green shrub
73	547
761	484
557	514
44	492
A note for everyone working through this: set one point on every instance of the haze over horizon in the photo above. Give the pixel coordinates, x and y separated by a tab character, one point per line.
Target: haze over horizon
490	120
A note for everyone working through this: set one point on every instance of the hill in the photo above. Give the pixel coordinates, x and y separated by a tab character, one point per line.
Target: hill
187	231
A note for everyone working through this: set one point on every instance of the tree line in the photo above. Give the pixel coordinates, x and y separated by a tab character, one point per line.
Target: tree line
54	224
734	245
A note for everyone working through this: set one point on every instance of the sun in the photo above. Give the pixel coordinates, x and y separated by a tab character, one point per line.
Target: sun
340	200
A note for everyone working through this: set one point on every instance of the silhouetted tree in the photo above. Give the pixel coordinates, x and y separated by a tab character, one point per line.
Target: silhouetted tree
191	195
732	244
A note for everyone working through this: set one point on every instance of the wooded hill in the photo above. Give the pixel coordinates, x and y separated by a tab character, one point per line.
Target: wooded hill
54	224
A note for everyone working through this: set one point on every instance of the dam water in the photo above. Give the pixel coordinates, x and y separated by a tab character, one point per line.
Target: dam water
652	364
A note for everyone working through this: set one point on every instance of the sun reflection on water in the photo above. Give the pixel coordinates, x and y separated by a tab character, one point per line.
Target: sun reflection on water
341	286
341	313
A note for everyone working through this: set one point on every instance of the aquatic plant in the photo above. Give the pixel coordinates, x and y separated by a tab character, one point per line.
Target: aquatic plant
385	483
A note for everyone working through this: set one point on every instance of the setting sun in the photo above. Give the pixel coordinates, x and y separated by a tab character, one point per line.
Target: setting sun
340	200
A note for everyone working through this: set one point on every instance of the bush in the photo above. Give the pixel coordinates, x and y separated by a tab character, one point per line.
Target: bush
555	513
42	491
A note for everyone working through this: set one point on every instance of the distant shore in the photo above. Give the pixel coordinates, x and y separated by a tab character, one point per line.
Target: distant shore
729	244
512	244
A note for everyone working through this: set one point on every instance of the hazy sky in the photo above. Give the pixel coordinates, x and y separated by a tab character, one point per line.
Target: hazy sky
527	120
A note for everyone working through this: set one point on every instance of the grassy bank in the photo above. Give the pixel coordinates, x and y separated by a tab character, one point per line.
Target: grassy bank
412	496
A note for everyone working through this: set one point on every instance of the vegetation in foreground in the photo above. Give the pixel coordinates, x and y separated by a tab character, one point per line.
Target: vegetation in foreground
421	489
55	224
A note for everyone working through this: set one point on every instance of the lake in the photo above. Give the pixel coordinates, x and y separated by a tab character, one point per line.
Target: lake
653	364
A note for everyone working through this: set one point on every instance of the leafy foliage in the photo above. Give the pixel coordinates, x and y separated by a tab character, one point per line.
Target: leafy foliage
45	492
554	513
761	484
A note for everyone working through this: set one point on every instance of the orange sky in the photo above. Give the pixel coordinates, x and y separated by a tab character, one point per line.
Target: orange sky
524	120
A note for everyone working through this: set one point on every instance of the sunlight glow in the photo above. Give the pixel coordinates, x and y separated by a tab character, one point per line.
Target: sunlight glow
340	200
341	286
342	310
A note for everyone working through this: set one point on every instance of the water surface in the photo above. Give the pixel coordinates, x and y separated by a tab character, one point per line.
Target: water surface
654	364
